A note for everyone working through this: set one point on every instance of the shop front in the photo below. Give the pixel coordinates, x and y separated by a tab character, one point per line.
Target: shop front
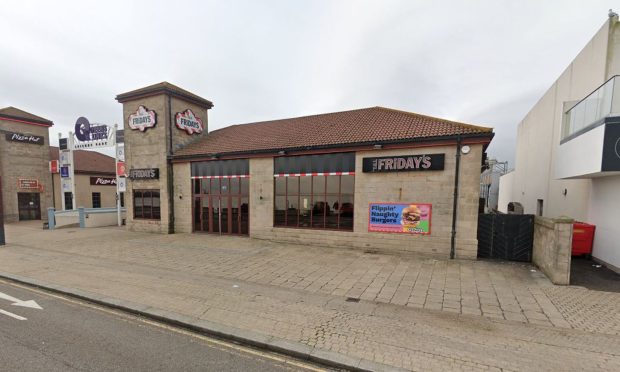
24	161
372	179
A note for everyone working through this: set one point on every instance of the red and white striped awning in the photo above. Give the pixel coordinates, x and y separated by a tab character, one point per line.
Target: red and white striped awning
231	176
314	174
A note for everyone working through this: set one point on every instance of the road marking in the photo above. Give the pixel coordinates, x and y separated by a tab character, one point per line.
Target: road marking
214	343
12	315
17	302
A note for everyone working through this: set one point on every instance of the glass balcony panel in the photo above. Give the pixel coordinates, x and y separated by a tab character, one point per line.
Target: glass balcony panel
596	106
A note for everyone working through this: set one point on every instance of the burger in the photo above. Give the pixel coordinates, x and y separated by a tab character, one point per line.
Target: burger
411	215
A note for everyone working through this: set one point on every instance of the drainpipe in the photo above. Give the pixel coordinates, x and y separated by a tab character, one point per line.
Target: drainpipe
456	196
170	172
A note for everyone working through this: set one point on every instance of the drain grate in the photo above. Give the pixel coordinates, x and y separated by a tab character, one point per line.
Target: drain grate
352	299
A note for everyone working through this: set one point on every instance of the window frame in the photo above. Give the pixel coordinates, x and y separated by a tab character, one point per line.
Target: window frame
151	206
323	196
95	196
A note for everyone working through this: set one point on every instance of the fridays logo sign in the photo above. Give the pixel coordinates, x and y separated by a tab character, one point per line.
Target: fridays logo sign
189	122
142	119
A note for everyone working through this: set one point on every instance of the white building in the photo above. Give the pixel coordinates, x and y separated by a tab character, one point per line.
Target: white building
568	146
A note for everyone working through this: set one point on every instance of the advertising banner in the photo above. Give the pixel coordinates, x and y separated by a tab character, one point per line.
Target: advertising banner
404	218
64	172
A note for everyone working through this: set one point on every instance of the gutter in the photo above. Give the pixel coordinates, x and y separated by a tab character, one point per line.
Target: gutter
430	140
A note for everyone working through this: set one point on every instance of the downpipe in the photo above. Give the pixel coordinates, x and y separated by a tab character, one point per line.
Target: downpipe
456	198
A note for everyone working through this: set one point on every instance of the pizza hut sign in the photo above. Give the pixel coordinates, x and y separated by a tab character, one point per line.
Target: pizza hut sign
142	119
189	122
103	181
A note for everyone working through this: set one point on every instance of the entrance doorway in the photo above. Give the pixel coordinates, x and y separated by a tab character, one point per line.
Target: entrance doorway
29	206
221	205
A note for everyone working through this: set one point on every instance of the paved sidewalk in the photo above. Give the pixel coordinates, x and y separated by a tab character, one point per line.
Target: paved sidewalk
298	294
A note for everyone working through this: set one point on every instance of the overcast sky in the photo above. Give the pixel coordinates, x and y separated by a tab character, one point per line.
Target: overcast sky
481	62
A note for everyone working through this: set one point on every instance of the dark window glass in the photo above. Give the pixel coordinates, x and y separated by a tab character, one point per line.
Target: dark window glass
146	204
339	162
122	200
205	185
280	211
234	186
68	201
225	185
196	186
320	202
245	186
215	186
96	199
305	185
280	185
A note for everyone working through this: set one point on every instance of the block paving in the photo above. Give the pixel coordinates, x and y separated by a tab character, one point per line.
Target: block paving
417	313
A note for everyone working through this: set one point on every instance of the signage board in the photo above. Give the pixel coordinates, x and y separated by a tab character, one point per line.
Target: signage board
120	136
144	174
25	138
64	171
120	169
120	153
404	218
91	135
122	184
54	167
142	119
28	183
403	163
611	149
103	181
64	158
67	186
62	144
189	122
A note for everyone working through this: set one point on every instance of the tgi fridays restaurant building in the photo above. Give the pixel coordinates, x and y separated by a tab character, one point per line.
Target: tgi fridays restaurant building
372	179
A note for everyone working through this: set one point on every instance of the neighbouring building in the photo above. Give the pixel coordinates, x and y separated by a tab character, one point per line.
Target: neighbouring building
372	179
95	181
568	146
24	160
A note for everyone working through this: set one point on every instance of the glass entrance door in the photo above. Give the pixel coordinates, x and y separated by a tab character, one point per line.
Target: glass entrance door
29	206
221	205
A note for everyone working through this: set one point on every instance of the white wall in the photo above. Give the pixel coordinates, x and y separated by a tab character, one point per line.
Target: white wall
582	155
538	135
505	191
603	212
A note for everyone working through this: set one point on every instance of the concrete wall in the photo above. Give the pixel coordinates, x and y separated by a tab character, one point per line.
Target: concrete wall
538	135
24	160
603	212
552	248
506	183
102	219
434	187
84	192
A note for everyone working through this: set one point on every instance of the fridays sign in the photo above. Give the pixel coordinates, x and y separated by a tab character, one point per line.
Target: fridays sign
403	163
189	122
142	119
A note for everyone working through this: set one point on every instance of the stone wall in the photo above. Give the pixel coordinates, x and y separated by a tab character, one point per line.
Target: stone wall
27	161
552	248
183	198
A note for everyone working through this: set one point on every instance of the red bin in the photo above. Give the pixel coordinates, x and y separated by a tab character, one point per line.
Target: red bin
583	238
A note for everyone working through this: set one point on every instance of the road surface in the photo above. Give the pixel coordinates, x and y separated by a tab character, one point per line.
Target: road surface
40	331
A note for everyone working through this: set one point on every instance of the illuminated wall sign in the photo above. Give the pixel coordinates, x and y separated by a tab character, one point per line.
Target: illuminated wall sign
120	169
91	135
103	181
142	119
64	171
25	138
144	174
403	163
189	122
410	218
29	184
54	166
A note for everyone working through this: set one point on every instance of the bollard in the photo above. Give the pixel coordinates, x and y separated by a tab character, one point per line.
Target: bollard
82	214
51	218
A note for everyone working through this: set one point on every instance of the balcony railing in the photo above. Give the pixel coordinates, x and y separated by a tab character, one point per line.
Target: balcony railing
603	102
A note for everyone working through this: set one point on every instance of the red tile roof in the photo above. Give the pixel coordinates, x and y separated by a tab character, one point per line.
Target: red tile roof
375	125
12	113
89	161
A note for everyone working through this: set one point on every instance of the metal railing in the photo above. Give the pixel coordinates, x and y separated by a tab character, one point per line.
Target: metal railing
601	103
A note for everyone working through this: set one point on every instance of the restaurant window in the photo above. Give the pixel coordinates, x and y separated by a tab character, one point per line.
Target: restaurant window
96	198
315	191
146	204
68	201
